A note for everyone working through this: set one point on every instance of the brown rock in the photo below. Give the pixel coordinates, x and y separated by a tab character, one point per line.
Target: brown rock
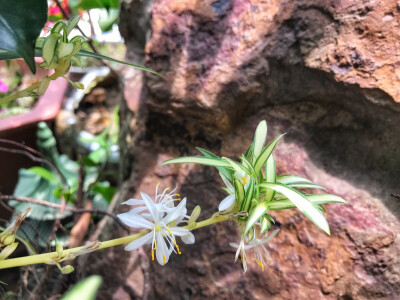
327	73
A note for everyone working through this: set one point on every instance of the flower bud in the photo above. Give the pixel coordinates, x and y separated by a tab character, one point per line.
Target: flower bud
67	269
59	249
195	214
6	239
7	251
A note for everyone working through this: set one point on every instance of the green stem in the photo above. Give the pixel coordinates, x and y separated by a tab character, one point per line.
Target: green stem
23	92
44	258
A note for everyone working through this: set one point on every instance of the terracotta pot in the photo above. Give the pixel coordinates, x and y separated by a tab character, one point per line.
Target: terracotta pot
22	128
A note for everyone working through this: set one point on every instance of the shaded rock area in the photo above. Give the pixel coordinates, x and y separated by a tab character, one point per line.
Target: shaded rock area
325	72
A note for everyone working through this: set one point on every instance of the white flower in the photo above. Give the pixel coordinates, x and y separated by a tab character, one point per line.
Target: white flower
229	201
163	202
162	221
258	247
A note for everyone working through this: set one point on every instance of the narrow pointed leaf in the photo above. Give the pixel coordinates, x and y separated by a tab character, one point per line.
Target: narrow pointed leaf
259	138
239	192
249	152
226	172
257	213
306	185
262	158
316	199
302	203
287	179
265	224
99	56
249	194
270	176
198	160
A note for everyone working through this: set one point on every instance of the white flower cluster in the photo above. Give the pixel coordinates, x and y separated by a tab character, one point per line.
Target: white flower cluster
161	217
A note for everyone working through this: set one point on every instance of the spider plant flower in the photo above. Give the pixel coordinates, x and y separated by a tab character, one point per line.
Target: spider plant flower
162	225
163	201
260	252
229	201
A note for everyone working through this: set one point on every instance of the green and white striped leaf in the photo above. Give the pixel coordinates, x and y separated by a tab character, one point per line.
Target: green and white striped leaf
249	152
306	185
288	179
226	172
256	214
265	224
249	194
262	158
71	23
316	199
198	160
236	166
270	176
239	192
259	138
302	203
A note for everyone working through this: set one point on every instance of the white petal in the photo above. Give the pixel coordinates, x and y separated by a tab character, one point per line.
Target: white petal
234	245
179	231
135	221
133	202
151	206
162	250
267	239
139	242
239	174
174	213
226	203
138	210
227	182
188	238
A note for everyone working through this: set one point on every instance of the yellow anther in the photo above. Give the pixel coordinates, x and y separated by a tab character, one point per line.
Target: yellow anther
152	254
244	180
169	230
155	245
168	188
178	199
260	264
164	259
158	183
177	195
177	247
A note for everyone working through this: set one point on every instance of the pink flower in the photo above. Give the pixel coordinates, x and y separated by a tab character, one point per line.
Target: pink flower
3	87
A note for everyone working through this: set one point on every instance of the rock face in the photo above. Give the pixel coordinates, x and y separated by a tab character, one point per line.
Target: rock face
325	72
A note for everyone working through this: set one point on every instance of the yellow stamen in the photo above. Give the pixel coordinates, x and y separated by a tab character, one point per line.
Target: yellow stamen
177	247
260	264
164	259
152	251
178	199
158	183
177	195
170	233
244	180
167	188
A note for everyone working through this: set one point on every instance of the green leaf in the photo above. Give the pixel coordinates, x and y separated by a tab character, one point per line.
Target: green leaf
105	190
226	172
99	56
316	199
248	196
198	160
239	192
265	224
262	158
85	289
256	214
106	22
259	138
306	185
49	47
44	173
302	203
288	179
20	24
270	176
235	165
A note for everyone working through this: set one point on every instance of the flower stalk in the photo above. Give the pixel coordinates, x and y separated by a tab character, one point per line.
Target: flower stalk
44	258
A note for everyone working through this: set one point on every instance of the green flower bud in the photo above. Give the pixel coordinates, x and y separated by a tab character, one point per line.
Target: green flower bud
7	251
195	214
67	269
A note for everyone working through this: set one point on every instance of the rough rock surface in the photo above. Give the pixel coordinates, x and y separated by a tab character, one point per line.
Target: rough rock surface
326	72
